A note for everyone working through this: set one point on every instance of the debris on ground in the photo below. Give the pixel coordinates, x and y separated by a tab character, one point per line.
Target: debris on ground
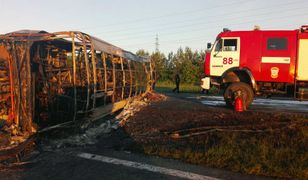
154	97
137	104
91	134
10	137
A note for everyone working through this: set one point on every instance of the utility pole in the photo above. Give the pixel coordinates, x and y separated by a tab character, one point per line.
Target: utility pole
156	43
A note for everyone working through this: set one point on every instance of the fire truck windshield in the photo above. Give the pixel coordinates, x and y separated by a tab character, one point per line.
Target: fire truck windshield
218	45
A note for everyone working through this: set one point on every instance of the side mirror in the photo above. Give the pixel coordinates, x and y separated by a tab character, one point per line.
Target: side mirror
209	45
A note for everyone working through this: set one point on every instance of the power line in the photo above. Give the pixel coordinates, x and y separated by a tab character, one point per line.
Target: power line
198	38
135	35
181	41
208	16
156	44
166	15
217	26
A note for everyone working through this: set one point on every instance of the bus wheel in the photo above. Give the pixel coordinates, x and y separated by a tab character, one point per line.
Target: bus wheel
246	93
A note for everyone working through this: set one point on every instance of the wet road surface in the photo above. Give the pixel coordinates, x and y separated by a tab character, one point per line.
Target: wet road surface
259	104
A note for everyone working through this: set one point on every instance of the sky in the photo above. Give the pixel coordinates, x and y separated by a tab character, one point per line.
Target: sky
134	24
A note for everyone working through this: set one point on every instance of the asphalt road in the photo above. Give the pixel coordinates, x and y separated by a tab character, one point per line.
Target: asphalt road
67	164
259	104
108	160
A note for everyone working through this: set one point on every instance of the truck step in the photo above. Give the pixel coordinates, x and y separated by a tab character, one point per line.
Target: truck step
302	94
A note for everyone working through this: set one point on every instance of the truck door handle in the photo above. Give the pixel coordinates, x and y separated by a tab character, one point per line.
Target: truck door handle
217	56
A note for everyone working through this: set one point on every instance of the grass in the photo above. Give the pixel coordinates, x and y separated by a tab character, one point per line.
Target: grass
281	154
168	86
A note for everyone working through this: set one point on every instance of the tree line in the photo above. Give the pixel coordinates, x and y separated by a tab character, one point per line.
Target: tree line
187	63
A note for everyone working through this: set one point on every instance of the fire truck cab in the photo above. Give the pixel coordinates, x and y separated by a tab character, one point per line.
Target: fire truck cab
258	62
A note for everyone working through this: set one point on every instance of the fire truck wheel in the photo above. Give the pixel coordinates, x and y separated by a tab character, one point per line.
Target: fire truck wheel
246	93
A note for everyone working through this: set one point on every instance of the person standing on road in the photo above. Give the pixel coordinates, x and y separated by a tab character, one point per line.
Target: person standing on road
177	83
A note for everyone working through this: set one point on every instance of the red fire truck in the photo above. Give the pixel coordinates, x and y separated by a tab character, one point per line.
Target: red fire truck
258	62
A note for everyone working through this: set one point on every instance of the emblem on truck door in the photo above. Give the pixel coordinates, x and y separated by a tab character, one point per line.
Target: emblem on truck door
274	72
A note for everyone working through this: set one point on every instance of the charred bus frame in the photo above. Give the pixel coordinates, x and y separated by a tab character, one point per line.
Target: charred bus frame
51	78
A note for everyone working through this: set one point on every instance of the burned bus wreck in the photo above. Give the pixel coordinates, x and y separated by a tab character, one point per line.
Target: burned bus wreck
52	78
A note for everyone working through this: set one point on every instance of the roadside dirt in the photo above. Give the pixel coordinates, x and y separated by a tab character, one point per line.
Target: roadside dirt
264	143
174	115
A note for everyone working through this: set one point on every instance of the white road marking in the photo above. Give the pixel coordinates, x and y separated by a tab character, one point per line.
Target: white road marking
148	167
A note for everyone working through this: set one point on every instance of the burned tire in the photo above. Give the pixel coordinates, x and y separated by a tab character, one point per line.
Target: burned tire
246	91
